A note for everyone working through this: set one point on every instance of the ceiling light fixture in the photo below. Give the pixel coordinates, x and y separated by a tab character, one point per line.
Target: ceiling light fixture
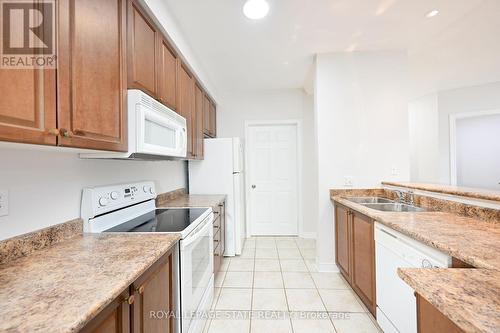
256	9
432	13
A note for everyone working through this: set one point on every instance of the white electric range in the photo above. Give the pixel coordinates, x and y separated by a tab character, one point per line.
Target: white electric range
131	208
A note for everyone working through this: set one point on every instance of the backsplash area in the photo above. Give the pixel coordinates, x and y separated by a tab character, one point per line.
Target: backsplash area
44	187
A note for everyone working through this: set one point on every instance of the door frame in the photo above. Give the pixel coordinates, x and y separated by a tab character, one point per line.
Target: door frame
298	126
454	117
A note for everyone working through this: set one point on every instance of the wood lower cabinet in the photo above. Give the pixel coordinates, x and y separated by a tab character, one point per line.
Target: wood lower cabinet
430	319
91	80
153	294
145	306
115	318
219	234
355	253
363	259
342	241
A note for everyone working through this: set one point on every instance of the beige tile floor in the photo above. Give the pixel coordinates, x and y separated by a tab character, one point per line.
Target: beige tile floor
274	287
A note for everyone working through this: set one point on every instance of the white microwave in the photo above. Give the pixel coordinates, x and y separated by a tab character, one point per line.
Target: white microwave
154	131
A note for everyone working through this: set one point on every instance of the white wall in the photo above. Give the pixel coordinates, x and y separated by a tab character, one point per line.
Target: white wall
236	108
463	100
424	139
361	128
45	186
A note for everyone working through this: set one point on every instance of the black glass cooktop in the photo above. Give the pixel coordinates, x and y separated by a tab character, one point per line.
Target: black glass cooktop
161	220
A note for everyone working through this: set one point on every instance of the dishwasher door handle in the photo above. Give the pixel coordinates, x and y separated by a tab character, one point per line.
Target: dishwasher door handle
388	233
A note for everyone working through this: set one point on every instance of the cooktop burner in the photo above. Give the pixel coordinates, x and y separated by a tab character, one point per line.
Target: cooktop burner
161	220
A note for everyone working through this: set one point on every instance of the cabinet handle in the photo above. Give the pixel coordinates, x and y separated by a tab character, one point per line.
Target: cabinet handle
65	133
53	131
130	300
141	290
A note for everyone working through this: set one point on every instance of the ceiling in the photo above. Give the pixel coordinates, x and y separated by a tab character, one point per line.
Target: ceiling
278	51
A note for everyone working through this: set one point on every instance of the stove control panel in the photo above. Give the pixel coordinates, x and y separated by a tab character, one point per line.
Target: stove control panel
104	199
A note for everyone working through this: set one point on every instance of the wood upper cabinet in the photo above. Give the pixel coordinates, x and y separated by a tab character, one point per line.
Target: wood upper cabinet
430	319
355	253
342	241
142	50
198	122
167	74
153	293
115	318
91	79
363	259
209	118
186	91
28	105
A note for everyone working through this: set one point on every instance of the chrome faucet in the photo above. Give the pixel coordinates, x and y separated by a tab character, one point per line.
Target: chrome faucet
400	196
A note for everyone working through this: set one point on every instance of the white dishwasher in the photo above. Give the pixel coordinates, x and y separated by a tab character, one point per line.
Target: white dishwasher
396	304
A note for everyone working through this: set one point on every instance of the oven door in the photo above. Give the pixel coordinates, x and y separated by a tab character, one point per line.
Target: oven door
196	252
159	134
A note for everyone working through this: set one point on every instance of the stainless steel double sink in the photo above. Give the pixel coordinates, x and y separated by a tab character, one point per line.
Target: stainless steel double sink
385	205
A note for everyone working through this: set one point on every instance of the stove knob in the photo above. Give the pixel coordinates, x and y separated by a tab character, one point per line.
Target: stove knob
103	201
151	190
114	195
146	188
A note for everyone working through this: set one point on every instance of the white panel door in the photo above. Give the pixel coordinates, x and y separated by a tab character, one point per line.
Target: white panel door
273	179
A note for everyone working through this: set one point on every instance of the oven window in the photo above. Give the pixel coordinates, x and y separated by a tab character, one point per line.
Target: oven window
159	135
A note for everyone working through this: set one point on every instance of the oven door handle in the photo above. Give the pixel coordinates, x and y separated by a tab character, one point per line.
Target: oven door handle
193	237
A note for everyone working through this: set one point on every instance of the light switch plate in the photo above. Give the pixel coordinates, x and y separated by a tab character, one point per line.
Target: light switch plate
4	202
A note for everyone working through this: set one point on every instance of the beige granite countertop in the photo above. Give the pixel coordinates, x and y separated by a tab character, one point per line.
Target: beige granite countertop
470	298
449	189
62	287
192	200
468	239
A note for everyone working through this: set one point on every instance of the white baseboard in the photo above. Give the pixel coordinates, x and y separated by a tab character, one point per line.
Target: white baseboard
308	234
329	267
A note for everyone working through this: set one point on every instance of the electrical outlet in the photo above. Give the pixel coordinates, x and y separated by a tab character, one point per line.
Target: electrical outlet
4	202
348	181
394	171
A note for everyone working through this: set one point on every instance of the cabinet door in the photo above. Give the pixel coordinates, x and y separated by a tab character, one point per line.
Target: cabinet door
91	79
206	116
342	241
115	318
430	319
142	44
167	74
28	105
363	260
198	123
153	294
186	104
213	120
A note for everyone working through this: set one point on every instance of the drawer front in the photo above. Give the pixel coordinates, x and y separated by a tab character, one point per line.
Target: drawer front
217	240
217	224
217	259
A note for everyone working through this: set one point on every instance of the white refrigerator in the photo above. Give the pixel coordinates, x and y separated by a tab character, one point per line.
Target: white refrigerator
222	172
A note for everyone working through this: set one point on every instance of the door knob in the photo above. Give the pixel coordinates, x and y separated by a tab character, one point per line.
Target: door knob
253	186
